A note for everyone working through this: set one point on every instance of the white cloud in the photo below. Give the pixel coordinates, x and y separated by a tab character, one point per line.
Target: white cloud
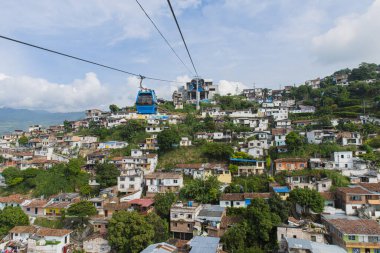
229	87
354	38
37	93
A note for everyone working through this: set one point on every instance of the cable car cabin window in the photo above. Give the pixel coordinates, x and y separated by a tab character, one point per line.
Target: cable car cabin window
145	99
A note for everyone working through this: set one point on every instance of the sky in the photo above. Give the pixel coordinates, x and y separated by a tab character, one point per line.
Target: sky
236	43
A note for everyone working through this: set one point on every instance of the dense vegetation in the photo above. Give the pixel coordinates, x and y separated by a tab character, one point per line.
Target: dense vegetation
10	217
343	101
60	178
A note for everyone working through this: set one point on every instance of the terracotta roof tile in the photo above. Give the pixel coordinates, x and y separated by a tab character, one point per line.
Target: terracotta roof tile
374	187
23	229
142	202
37	203
353	190
15	198
357	227
53	232
328	195
291	159
232	196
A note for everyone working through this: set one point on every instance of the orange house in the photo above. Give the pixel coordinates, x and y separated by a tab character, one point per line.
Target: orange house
290	164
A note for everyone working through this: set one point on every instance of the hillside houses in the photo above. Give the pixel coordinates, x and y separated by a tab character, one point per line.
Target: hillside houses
251	160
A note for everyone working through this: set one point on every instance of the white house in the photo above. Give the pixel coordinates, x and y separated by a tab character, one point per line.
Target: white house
112	145
130	181
161	182
343	160
41	240
154	129
185	142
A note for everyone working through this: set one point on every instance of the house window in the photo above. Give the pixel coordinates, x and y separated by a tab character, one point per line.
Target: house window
238	203
121	179
122	186
373	239
189	216
227	203
356	198
132	179
28	209
294	236
376	250
175	181
302	165
174	224
355	250
351	237
313	238
324	185
341	156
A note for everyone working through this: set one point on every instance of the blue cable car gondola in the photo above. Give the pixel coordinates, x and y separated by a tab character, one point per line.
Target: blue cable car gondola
146	101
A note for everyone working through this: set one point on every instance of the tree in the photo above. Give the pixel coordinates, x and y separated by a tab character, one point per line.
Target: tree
293	141
307	198
129	232
23	140
268	162
209	123
67	126
233	168
114	108
202	190
163	203
261	223
235	238
279	207
82	209
106	174
167	139
10	217
217	151
160	226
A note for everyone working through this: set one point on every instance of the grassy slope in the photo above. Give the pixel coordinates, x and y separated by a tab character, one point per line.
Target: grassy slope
181	155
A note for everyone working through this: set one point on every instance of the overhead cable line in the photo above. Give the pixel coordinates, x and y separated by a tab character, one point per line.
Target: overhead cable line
87	61
167	42
183	39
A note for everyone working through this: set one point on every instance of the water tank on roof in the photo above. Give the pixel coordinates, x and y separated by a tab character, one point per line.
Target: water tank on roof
190	203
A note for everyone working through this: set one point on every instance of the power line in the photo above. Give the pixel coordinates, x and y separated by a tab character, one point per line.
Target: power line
167	42
87	61
183	39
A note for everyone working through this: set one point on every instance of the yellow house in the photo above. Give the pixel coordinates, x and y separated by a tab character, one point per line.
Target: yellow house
220	172
55	208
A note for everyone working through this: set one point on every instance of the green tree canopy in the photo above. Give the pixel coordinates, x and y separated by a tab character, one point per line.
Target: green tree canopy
217	151
106	174
202	190
167	139
279	207
82	209
23	140
160	226
235	238
293	141
114	108
129	232
307	199
10	217
163	203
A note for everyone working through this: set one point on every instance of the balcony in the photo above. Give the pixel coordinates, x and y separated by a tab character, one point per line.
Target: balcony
363	245
374	201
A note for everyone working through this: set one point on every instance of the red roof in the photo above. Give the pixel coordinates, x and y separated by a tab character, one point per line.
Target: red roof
142	202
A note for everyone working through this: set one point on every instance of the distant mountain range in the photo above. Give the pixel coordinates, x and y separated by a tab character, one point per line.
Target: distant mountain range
11	119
